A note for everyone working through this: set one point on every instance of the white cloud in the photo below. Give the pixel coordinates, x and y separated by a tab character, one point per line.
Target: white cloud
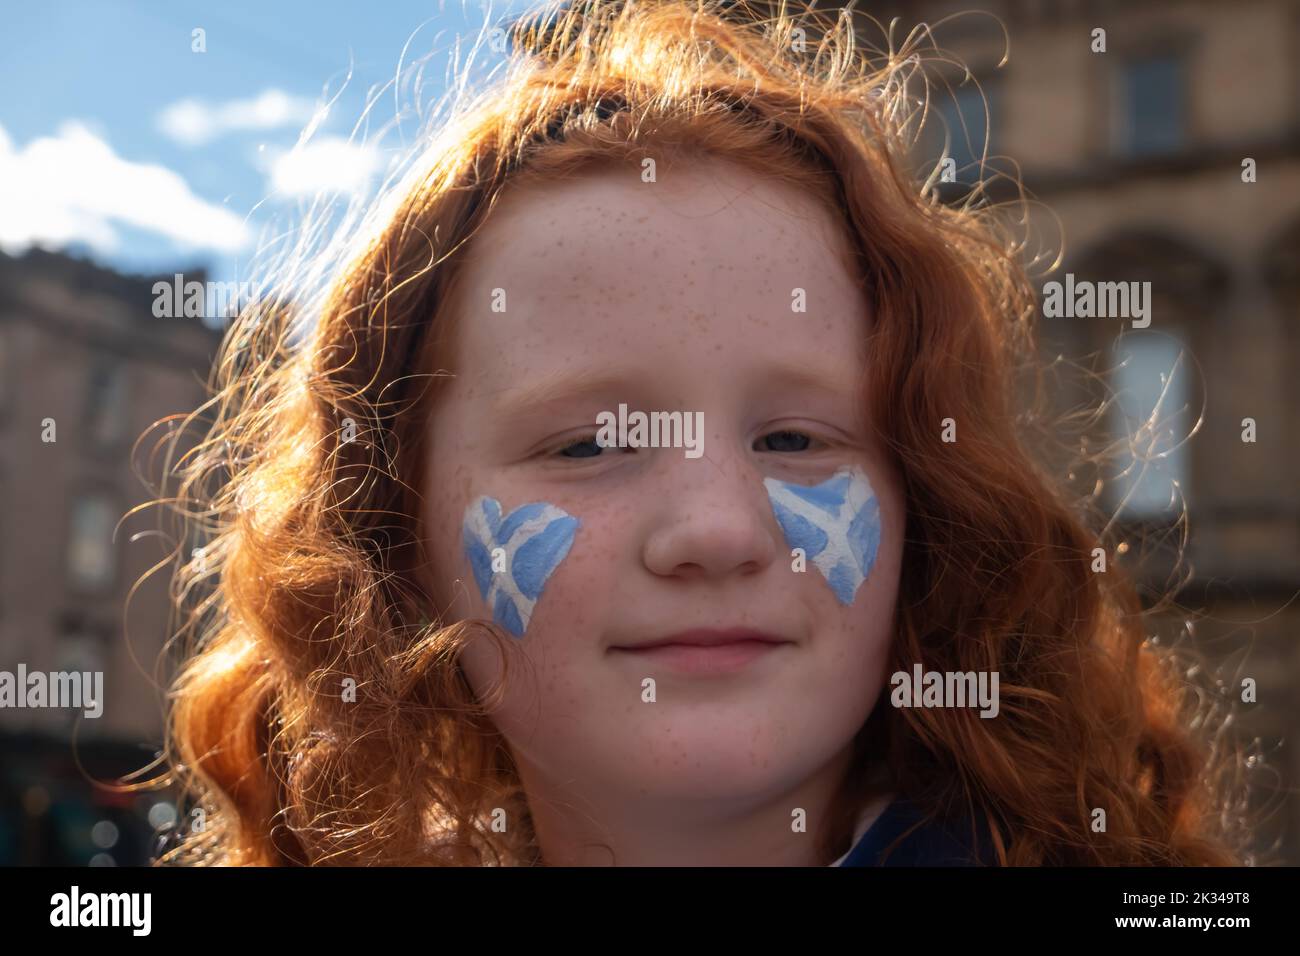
193	122
328	164
73	187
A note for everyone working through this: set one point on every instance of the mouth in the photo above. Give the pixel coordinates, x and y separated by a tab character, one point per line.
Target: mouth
704	651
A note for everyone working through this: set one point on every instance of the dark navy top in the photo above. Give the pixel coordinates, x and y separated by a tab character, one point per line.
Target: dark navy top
933	844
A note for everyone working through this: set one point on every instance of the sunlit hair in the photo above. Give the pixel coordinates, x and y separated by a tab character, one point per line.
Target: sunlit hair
304	488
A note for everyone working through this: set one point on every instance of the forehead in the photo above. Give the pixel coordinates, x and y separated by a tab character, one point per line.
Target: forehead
712	259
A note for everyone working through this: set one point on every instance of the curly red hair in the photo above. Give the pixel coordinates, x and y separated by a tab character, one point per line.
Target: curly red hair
304	489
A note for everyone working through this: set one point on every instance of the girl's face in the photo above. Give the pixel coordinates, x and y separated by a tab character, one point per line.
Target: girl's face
722	295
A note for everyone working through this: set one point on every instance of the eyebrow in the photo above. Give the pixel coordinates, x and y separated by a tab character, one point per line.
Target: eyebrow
535	400
797	375
560	387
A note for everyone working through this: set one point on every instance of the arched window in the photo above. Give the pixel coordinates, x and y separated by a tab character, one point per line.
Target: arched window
1152	375
1151	417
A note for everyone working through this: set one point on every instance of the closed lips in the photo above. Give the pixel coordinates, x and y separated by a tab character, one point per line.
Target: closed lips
706	638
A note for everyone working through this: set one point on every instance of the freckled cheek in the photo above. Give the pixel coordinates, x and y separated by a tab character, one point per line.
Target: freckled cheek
607	528
872	621
861	636
447	561
547	678
578	597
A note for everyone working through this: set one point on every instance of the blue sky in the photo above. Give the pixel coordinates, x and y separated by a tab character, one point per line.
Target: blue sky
121	143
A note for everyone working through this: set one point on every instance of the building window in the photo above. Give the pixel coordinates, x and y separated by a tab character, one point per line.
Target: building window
1151	421
82	647
106	405
967	128
91	552
1150	109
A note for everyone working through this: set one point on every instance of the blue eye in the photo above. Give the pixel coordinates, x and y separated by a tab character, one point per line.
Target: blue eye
586	448
783	441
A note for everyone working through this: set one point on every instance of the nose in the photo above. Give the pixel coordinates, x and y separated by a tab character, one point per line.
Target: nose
714	519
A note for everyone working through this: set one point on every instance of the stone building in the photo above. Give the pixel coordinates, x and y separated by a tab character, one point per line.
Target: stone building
85	362
1171	158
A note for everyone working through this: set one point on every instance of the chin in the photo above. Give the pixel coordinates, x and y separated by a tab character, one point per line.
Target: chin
735	764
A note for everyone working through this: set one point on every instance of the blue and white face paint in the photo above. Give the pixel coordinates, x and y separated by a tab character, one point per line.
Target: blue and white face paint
836	523
533	539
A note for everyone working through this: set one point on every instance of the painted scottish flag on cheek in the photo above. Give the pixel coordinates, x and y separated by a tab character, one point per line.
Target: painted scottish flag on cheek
836	523
534	539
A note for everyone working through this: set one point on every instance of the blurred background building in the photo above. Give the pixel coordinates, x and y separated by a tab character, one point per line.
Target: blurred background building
80	345
1134	157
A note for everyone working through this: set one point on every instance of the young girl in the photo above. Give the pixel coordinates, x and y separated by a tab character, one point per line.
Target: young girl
660	435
